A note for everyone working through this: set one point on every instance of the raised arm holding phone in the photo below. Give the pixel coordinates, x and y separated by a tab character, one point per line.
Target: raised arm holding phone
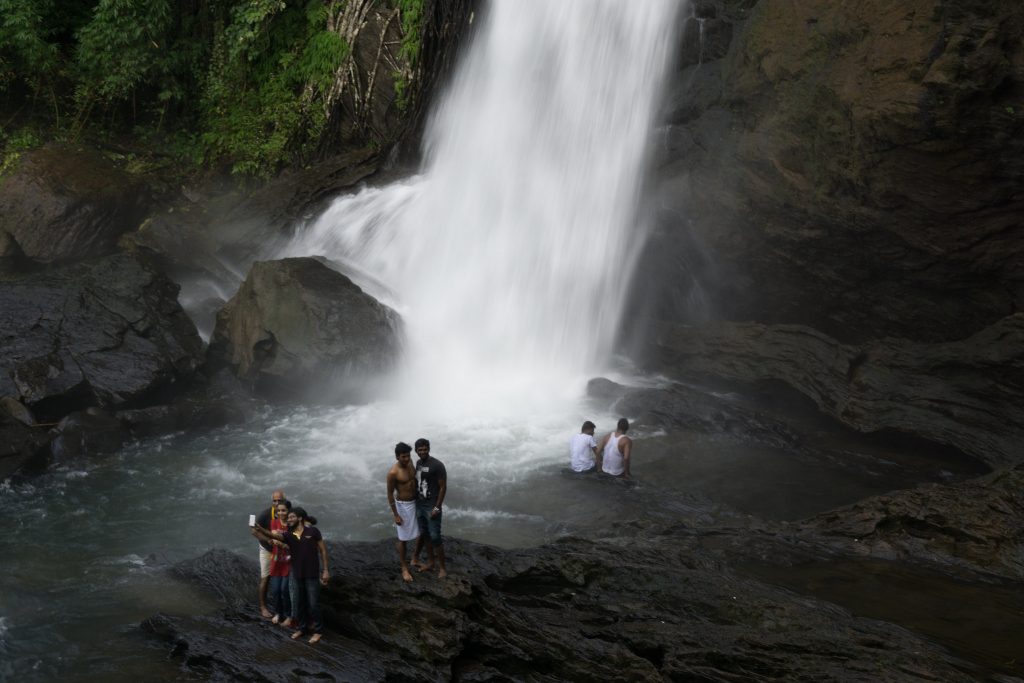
309	570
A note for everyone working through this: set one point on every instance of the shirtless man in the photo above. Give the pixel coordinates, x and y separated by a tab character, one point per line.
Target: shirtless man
615	450
401	481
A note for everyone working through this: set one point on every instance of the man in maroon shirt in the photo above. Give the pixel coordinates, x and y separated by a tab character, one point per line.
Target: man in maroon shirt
309	555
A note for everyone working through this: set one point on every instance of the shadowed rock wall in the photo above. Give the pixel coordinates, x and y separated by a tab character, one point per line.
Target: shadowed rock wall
854	168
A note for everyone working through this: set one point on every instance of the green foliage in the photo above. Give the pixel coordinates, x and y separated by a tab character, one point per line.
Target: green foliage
241	83
123	46
13	145
412	19
269	74
409	51
26	50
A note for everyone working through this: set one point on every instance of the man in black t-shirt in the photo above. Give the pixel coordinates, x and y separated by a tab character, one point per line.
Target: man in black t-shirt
433	486
308	571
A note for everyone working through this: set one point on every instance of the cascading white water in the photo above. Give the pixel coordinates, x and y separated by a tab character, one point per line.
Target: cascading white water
509	256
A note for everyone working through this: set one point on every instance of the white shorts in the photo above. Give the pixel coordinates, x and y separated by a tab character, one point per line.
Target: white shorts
409	529
265	556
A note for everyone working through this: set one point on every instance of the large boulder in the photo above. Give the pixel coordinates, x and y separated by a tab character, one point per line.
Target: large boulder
66	204
299	330
106	333
968	393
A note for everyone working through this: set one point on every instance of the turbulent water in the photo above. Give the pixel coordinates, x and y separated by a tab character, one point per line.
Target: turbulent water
508	256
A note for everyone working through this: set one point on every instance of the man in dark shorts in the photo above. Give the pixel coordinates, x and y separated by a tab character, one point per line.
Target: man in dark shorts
309	558
264	519
433	486
401	483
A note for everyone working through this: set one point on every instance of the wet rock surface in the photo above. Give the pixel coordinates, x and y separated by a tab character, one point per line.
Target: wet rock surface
644	604
854	168
106	333
841	183
67	204
968	394
975	526
298	329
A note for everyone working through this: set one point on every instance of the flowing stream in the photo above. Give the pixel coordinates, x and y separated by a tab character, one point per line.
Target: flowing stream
508	257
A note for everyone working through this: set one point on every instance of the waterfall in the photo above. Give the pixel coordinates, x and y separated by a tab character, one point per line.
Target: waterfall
510	254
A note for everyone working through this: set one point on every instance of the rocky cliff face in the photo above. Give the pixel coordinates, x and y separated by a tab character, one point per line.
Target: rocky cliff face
853	168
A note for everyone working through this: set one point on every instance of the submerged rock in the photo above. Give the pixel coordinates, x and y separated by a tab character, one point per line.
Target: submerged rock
20	445
87	431
299	330
208	403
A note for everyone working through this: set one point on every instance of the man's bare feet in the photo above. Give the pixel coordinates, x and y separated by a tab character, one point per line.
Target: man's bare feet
315	638
441	573
276	619
297	635
288	623
425	567
265	613
406	576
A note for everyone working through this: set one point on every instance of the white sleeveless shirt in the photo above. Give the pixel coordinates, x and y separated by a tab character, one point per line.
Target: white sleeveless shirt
611	461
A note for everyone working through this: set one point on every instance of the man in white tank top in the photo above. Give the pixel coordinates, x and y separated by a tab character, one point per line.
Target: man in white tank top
615	450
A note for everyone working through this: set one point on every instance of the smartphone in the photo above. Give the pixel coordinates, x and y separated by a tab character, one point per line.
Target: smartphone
252	520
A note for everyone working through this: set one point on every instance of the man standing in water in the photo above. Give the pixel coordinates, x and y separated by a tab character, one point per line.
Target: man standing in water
265	520
401	479
309	554
433	486
616	449
583	452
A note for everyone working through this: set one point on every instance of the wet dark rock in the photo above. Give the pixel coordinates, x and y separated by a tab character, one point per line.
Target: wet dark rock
820	171
605	391
106	333
208	403
682	407
17	410
977	525
631	607
67	204
88	431
968	394
298	329
847	176
207	243
20	445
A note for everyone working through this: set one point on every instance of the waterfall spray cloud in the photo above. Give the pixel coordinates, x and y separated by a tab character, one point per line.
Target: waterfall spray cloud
509	255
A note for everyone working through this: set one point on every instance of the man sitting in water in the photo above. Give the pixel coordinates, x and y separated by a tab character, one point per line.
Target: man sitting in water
616	449
583	452
401	479
307	547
